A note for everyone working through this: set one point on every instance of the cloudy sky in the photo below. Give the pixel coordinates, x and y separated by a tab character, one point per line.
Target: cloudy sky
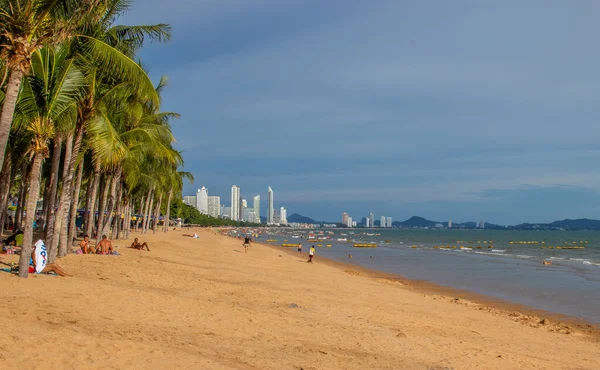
462	110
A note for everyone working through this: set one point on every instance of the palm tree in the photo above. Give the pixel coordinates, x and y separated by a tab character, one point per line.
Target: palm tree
25	27
48	100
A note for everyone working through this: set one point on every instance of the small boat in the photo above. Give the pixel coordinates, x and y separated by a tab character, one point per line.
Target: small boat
547	262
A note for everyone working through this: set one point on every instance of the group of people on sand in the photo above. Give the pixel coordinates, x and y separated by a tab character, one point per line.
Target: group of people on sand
105	246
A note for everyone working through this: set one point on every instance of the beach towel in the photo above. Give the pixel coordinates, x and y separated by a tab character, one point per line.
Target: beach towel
41	256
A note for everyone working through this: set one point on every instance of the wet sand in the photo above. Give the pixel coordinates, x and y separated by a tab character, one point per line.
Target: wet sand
204	303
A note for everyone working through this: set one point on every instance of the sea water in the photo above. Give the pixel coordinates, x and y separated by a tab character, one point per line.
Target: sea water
509	271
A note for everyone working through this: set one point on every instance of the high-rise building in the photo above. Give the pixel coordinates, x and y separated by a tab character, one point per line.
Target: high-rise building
235	203
244	203
226	212
240	209
450	224
283	216
372	219
214	206
481	225
368	222
202	200
190	200
345	218
257	209
276	217
246	213
388	222
349	221
382	224
270	207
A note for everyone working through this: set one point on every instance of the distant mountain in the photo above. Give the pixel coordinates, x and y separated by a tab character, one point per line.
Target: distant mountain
300	219
578	224
416	221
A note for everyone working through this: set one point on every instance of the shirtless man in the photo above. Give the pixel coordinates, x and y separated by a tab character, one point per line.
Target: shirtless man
85	245
104	247
136	244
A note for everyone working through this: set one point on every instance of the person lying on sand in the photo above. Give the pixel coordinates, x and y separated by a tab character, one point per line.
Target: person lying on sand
85	246
191	236
38	265
136	245
104	247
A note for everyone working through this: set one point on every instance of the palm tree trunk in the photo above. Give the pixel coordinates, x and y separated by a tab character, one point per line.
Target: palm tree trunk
168	211
73	214
91	206
156	214
61	214
32	198
144	218
102	205
51	189
140	212
73	146
149	211
8	108
115	233
21	197
116	180
88	193
5	189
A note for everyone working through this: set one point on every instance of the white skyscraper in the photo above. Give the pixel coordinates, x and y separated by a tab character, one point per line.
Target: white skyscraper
382	221
257	209
349	221
283	216
244	203
270	207
450	224
388	222
214	206
368	222
202	200
190	200
371	219
235	203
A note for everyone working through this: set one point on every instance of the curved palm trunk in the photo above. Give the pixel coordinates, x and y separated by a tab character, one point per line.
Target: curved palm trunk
102	206
145	210
5	189
117	219
32	198
88	193
73	214
91	207
168	211
8	108
52	188
21	196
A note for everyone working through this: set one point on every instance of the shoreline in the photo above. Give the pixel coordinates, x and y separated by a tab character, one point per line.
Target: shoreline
536	318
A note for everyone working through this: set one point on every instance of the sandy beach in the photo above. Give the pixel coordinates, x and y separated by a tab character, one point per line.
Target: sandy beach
205	304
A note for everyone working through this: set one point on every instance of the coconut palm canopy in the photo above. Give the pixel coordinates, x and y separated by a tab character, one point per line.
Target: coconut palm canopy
81	124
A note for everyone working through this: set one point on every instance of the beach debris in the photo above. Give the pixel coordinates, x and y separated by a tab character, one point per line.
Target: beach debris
293	305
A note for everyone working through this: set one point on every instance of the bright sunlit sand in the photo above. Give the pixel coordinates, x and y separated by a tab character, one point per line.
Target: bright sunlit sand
205	304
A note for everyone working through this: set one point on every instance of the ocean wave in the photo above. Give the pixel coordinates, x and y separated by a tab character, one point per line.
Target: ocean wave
524	256
498	250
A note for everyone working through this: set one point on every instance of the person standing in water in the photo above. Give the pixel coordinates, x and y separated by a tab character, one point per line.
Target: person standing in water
311	254
299	247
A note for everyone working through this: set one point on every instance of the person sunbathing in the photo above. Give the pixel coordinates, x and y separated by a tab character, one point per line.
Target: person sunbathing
39	266
104	247
85	245
136	244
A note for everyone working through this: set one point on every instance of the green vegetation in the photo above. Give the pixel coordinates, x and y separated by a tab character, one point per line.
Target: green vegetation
80	123
192	216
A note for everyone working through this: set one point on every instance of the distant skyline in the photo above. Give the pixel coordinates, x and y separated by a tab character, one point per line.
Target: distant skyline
460	110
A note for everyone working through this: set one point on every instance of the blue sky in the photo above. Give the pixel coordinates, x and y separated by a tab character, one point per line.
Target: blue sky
462	110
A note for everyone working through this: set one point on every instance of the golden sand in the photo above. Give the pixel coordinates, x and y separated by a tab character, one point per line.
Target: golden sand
205	304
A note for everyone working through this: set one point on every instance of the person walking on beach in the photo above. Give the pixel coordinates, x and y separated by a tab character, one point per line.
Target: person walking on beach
299	247
311	254
247	241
